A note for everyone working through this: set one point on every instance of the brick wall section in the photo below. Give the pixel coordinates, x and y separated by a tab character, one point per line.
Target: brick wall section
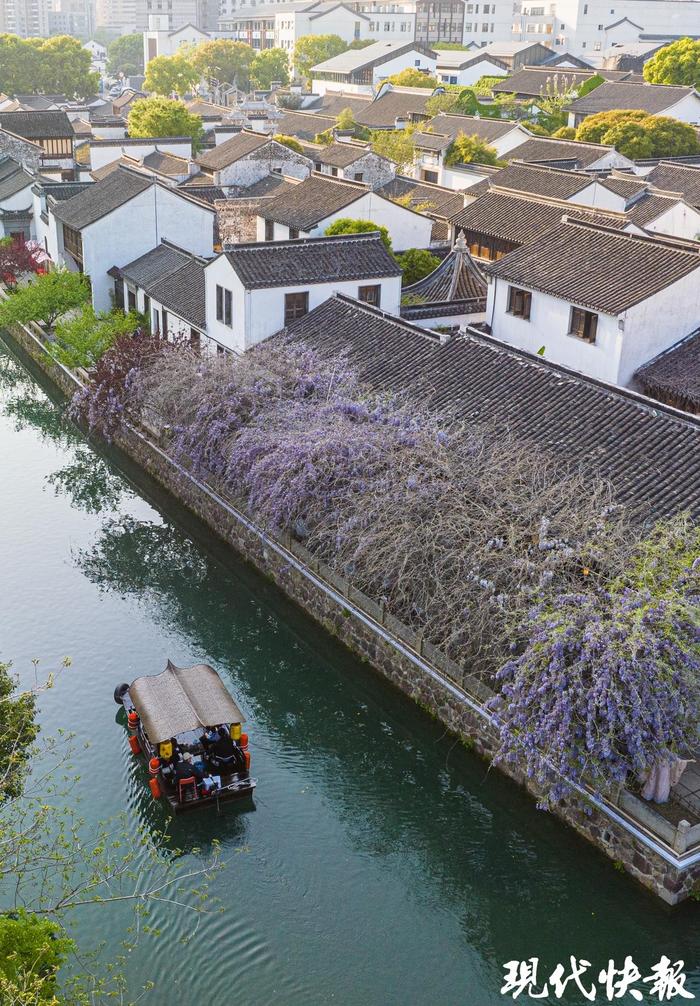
338	616
23	151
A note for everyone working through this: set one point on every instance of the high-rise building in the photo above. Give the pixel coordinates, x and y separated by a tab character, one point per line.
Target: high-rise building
28	18
72	17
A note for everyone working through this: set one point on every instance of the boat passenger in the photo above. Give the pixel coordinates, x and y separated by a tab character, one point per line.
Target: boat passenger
224	753
186	768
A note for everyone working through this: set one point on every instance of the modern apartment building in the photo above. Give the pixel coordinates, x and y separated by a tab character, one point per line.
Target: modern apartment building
588	28
28	18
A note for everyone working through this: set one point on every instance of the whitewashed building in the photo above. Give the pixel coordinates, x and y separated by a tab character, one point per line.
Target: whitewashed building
308	208
435	139
246	157
465	68
253	290
595	299
355	162
114	220
103	152
359	71
658	99
16	200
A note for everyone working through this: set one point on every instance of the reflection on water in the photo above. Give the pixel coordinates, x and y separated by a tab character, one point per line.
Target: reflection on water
382	863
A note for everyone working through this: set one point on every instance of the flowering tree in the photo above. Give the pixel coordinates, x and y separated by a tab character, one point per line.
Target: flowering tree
608	682
16	258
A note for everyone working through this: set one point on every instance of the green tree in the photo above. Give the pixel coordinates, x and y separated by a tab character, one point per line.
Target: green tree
81	340
268	66
125	55
346	225
18	65
396	144
594	127
346	121
312	49
416	263
412	77
163	117
361	43
470	149
46	298
637	134
18	731
166	75
446	102
224	60
565	133
289	141
63	67
678	63
31	952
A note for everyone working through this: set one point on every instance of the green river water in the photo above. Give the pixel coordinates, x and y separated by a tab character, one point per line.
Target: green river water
381	863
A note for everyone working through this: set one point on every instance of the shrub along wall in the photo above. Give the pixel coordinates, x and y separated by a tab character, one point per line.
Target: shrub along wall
401	656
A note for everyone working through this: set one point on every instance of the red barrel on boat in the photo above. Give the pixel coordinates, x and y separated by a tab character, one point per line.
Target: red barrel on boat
154	766
155	789
134	744
247	760
244	741
132	720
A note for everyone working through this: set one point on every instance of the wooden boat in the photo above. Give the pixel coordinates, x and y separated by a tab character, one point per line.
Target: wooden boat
170	717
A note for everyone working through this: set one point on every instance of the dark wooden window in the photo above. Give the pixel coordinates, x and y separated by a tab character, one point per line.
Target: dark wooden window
430	176
370	294
359	176
224	306
293	233
296	305
131	299
146	305
164	322
583	324
119	294
519	302
195	340
156	322
334	172
269	230
73	243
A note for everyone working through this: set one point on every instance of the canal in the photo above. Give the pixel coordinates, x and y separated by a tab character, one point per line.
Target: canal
381	863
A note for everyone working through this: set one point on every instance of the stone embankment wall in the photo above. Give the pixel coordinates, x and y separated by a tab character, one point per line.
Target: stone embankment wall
401	656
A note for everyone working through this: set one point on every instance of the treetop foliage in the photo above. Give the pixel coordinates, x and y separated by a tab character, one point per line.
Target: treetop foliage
412	77
470	149
678	63
125	55
166	75
312	49
637	134
160	116
347	225
47	297
58	65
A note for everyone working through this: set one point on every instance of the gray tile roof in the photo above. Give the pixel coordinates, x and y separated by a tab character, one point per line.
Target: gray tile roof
532	81
424	197
312	260
333	103
173	277
520	218
627	186
338	155
677	178
648	207
371	55
308	202
596	267
231	150
13	178
653	98
397	103
674	376
304	125
650	453
539	180
469	125
182	292
37	125
545	150
458	277
102	197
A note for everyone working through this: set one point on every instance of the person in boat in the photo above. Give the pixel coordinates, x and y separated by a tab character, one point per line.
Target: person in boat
224	754
187	768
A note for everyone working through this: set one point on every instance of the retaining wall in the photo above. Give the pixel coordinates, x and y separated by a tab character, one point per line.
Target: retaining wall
630	832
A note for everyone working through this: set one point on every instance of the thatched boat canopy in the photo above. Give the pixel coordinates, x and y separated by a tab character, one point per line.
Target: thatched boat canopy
181	699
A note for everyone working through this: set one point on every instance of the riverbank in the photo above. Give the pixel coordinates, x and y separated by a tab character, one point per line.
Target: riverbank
660	855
